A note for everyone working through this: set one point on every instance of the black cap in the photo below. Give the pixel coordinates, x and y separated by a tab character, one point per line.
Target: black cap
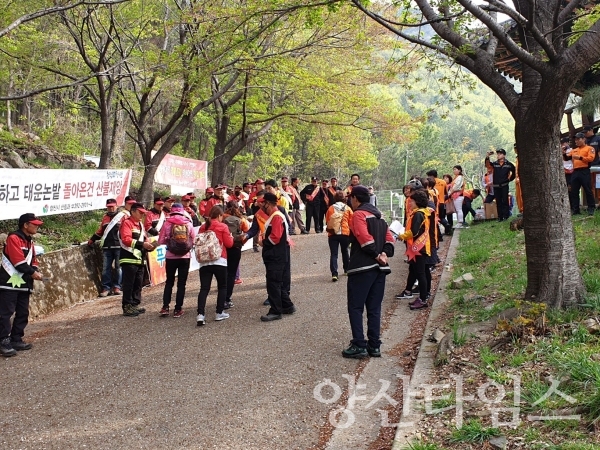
313	178
501	150
359	190
587	128
29	217
271	198
580	136
111	202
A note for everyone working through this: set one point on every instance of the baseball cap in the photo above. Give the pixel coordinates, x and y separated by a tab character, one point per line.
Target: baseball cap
159	201
501	150
220	186
139	207
129	200
29	218
237	188
111	202
169	200
313	178
359	189
259	181
210	190
284	179
587	128
185	197
580	136
191	194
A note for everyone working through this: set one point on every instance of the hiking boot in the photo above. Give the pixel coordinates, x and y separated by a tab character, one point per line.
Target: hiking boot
405	294
221	316
6	349
140	309
304	232
290	310
355	352
104	293
116	291
375	352
20	345
228	305
130	311
164	312
178	313
267	303
334	278
200	320
270	317
418	304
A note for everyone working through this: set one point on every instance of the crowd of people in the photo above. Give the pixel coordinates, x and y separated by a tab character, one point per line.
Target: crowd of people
267	212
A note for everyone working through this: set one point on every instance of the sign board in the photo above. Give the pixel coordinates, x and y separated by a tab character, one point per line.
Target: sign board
59	191
189	173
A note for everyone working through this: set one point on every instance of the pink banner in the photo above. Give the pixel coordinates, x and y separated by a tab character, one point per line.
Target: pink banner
179	171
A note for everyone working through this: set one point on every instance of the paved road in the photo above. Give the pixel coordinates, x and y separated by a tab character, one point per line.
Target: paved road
95	379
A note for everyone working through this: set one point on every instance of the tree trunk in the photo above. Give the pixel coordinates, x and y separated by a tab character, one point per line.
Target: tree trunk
553	275
147	188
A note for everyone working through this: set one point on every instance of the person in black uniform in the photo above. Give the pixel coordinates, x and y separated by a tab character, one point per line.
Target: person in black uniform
324	202
310	197
504	173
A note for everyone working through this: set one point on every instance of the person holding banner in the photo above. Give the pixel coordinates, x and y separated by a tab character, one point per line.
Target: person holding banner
18	270
108	235
134	245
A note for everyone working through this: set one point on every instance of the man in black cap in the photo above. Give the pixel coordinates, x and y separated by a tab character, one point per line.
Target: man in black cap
108	235
134	245
504	173
18	270
276	257
310	197
371	246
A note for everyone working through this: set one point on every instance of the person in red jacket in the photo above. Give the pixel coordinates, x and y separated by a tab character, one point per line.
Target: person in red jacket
18	270
134	245
218	268
203	209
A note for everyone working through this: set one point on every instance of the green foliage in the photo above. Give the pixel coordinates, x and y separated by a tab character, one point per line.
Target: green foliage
420	445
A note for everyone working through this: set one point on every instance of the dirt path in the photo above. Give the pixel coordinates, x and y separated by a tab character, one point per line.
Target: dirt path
98	380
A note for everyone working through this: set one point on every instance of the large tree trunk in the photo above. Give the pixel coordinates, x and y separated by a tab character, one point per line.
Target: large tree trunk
553	275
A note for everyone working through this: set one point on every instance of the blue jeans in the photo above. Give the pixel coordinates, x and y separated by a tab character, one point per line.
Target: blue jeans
110	255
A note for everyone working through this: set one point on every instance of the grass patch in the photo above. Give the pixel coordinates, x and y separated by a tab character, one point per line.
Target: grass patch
420	445
474	432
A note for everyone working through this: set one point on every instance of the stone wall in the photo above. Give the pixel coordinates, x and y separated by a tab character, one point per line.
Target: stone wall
74	276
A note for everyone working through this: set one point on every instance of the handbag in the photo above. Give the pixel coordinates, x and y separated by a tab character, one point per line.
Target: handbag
450	208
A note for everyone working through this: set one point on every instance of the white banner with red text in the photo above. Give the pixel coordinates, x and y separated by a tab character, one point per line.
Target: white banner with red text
185	172
57	191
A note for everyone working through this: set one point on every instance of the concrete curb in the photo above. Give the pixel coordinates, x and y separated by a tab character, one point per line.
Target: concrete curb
413	401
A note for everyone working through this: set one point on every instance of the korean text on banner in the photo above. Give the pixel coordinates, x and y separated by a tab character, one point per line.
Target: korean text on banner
55	191
190	173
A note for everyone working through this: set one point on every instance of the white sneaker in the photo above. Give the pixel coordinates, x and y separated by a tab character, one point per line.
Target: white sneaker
221	316
200	320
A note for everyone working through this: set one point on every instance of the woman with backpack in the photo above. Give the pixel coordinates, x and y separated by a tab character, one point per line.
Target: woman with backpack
238	225
178	235
337	218
217	266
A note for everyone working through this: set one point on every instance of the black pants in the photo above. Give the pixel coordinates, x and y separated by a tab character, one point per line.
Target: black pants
581	179
206	275
312	213
278	277
133	278
182	267
234	255
467	208
322	213
442	216
365	291
418	271
342	241
501	195
17	303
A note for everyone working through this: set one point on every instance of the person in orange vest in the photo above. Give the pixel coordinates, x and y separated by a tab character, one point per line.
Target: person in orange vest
354	181
442	190
469	195
582	156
